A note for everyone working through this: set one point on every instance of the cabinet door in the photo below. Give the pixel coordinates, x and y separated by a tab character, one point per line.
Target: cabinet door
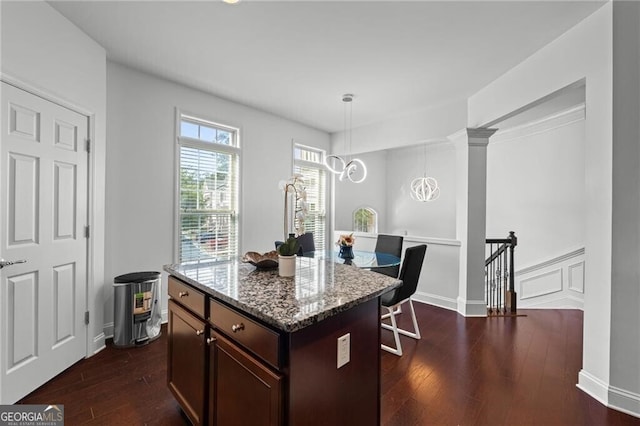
186	366
244	391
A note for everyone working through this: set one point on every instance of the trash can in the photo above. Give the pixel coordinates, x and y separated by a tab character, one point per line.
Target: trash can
136	307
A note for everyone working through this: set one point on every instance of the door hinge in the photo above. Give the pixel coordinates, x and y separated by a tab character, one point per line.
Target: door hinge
88	144
86	231
86	317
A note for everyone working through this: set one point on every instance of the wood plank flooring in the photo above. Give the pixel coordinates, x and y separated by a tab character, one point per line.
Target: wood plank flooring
473	371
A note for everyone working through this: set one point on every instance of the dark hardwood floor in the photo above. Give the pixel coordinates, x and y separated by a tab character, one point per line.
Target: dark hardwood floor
473	371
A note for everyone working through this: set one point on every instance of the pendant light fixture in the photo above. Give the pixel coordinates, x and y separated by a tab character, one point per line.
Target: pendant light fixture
425	188
355	169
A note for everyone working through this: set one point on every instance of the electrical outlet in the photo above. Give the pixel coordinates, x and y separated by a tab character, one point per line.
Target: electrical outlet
344	348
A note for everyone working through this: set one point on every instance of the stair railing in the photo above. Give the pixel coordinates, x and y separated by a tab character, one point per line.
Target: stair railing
499	274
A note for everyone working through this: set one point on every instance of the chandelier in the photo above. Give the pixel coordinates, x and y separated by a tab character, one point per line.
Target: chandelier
425	188
351	169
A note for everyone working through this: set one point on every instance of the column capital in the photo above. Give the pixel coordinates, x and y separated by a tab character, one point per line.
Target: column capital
480	132
472	136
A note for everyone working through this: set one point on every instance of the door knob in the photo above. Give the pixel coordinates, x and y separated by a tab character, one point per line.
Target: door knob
4	263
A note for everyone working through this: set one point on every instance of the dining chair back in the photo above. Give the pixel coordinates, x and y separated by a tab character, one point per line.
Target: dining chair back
391	301
391	244
307	245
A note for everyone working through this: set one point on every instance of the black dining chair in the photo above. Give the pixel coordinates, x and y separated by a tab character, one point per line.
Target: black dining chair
410	274
307	245
391	244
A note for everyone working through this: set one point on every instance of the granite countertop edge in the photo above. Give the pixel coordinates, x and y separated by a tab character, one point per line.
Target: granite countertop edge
289	327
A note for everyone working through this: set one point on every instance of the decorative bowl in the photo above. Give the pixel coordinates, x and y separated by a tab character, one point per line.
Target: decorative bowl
267	260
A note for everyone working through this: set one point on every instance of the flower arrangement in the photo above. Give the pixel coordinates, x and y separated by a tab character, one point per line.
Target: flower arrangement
346	240
294	188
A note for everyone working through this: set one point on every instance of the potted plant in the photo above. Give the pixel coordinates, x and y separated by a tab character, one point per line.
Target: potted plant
287	257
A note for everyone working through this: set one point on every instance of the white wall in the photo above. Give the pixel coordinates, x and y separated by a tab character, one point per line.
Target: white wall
141	167
536	187
406	216
370	193
43	51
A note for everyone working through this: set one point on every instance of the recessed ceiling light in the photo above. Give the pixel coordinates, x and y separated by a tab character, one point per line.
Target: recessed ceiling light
231	1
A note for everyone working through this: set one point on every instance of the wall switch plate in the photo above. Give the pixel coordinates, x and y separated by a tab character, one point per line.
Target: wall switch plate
344	349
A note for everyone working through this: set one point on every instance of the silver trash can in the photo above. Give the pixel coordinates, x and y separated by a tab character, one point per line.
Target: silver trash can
136	308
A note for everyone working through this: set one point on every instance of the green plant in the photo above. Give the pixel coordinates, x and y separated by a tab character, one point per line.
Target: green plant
289	247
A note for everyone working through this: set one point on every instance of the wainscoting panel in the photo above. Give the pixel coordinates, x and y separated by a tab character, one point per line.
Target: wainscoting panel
540	285
556	283
576	277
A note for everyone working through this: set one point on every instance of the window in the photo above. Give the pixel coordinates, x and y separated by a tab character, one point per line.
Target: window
208	190
309	163
365	219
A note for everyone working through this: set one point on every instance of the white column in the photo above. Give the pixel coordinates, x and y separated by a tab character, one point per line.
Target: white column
471	201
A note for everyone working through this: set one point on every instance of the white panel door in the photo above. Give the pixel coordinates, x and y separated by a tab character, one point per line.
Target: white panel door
43	213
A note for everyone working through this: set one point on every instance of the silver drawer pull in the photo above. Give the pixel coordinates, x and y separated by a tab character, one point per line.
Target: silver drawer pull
199	332
210	340
237	327
183	294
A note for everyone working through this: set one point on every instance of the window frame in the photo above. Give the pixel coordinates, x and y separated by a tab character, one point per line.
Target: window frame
320	166
375	222
195	143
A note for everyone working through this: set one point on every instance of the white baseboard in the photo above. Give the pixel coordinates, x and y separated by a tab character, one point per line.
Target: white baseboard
435	300
593	387
625	401
98	343
108	330
108	327
471	308
609	396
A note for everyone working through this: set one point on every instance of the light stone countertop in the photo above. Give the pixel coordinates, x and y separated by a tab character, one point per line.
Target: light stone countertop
320	289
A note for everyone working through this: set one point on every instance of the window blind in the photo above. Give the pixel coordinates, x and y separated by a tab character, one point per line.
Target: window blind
308	163
208	192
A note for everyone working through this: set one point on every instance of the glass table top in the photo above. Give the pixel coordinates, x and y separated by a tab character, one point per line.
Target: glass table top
361	258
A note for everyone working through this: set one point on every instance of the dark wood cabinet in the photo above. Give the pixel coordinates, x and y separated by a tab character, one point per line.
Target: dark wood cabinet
243	391
226	367
187	361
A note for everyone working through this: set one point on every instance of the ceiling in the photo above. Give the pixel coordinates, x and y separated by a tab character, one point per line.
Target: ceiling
296	59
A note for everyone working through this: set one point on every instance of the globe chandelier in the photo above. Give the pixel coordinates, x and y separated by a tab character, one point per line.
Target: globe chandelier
352	169
425	188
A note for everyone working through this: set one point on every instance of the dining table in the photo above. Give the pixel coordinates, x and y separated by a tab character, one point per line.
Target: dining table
361	258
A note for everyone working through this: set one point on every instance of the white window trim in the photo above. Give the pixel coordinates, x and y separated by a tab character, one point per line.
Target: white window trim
327	196
353	219
197	143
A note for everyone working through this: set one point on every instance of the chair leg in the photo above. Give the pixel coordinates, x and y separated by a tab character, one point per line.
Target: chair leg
396	330
416	330
396	312
393	327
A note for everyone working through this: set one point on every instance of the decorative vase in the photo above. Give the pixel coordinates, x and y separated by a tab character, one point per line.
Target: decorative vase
287	265
346	252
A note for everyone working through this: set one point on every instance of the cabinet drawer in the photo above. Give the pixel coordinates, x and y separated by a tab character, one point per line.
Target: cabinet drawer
187	296
257	338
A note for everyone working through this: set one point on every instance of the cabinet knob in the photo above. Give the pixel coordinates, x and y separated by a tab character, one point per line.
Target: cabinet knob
210	340
237	327
199	332
183	294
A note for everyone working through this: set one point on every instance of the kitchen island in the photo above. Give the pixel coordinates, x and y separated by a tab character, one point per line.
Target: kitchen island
249	347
